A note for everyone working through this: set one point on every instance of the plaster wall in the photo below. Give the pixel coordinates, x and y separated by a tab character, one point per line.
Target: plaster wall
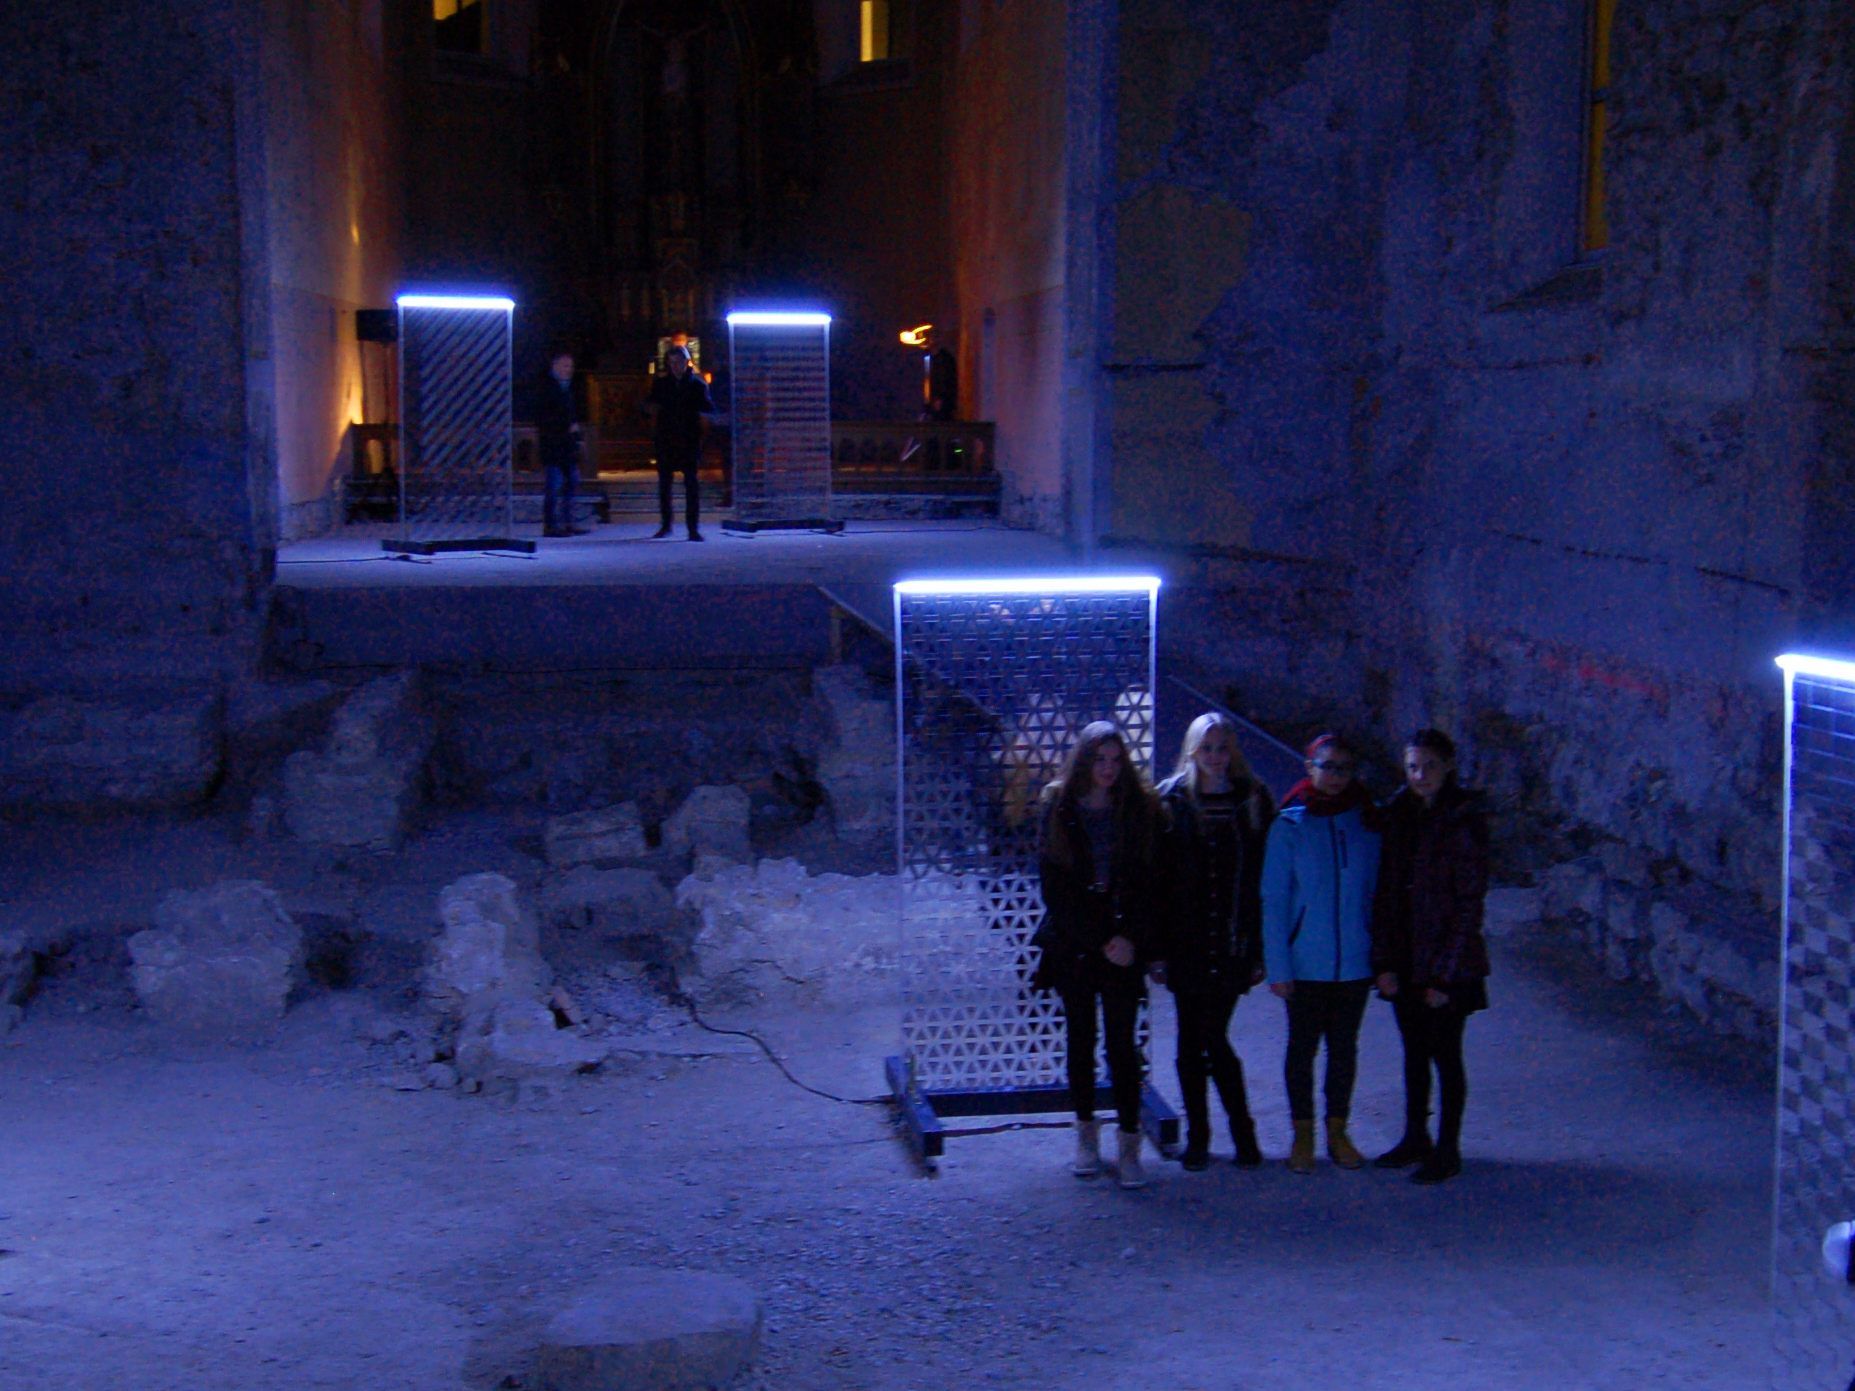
334	214
138	519
1008	200
1575	505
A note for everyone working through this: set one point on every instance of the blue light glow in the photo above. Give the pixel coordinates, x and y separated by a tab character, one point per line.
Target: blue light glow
456	302
758	318
1035	584
1824	668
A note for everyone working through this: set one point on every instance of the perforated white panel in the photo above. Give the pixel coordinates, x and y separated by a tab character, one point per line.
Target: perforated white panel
991	690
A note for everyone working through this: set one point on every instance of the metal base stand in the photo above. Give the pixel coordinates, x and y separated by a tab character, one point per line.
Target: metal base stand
922	1110
749	528
469	543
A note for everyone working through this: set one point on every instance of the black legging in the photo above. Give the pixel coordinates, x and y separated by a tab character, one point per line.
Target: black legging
1329	1009
1432	1038
1118	988
1205	1052
672	460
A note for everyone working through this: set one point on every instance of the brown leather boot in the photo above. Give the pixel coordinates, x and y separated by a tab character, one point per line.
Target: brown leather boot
1301	1153
1340	1148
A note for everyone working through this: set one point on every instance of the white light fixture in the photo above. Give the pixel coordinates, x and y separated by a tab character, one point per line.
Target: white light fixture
1035	584
1825	668
455	302
769	319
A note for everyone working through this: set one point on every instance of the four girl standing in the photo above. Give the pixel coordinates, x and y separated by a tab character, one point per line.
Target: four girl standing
1209	891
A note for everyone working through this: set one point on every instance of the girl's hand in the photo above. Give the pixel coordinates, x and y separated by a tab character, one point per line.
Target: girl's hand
1387	983
1281	989
1119	951
1436	999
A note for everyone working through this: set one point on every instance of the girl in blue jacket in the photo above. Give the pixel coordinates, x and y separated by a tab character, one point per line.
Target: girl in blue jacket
1318	876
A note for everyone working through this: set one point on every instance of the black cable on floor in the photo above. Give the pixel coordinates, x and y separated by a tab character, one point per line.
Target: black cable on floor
682	998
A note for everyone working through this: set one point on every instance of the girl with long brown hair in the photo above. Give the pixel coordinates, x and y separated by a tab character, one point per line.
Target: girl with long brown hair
1100	824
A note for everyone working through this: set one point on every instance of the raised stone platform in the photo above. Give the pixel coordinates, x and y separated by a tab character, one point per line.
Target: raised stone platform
616	599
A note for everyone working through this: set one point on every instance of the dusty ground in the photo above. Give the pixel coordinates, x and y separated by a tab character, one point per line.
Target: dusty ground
282	1217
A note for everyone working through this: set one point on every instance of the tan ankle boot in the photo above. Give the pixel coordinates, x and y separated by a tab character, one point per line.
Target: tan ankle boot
1088	1150
1129	1173
1340	1148
1301	1153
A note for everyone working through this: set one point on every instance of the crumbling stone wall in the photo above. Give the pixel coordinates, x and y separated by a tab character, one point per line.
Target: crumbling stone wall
1573	507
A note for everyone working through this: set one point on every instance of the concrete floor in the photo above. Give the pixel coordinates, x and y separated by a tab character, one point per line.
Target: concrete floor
220	1220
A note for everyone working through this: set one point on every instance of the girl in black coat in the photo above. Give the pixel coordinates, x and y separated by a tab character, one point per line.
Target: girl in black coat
1216	824
1100	823
1427	943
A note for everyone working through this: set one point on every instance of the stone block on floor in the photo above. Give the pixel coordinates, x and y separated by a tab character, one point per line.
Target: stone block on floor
218	963
489	946
652	1330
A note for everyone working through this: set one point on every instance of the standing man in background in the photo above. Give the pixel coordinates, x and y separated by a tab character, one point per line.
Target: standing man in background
557	421
679	399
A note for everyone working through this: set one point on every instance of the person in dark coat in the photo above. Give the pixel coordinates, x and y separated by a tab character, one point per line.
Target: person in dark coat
678	401
557	422
1216	822
1427	945
1100	827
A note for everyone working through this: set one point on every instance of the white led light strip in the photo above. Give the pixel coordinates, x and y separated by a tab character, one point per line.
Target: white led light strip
455	302
1827	668
1035	584
764	319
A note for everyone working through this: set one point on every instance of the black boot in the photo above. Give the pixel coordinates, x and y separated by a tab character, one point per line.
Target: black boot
1195	1158
1243	1135
1414	1148
1442	1164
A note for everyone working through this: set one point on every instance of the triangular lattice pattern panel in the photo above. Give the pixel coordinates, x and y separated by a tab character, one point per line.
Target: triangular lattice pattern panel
993	690
1815	1313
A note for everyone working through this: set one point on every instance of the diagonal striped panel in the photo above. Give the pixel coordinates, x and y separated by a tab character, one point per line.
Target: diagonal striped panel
992	690
781	412
456	447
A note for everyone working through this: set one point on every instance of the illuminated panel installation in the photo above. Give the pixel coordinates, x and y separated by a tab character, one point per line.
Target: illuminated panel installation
994	679
456	455
1815	1307
781	409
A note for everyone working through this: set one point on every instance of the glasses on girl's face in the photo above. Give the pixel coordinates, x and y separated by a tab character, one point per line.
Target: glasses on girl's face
1327	765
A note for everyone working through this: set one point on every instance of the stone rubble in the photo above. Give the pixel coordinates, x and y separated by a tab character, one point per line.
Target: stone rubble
603	837
361	789
620	906
218	963
772	929
489	947
711	820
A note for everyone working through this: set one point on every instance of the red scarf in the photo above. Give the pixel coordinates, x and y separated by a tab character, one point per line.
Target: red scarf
1320	803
